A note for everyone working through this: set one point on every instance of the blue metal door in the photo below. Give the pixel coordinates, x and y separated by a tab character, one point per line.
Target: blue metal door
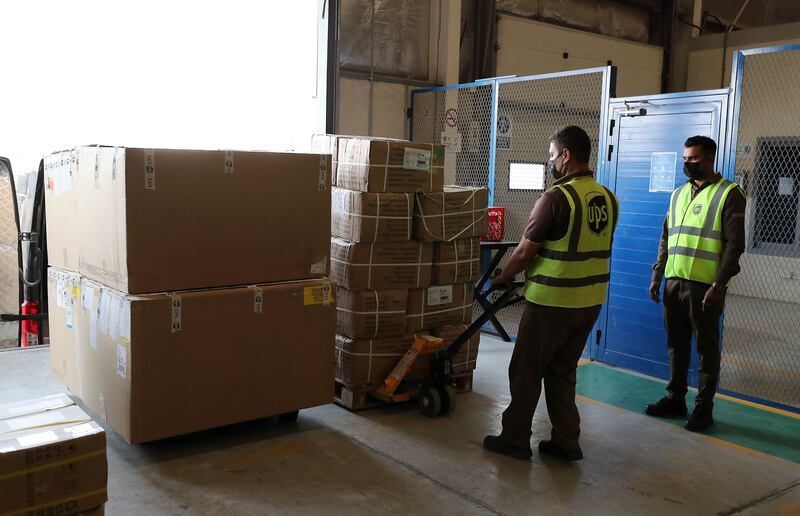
645	161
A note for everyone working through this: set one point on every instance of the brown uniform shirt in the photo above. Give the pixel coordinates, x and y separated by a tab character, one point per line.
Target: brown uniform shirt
549	219
732	236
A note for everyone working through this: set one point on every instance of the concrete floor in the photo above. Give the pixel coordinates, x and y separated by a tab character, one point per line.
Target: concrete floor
393	460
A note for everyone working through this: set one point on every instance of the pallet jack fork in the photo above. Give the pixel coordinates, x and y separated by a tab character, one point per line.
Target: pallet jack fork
436	394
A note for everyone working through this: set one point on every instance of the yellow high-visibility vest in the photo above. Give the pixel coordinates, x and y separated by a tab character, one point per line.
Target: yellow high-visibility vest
573	272
695	231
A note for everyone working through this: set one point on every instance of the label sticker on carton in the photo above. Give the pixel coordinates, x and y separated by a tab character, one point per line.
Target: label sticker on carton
323	172
61	299
417	159
97	168
176	313
105	304
229	162
149	169
125	320
113	317
440	295
87	298
68	311
122	360
321	295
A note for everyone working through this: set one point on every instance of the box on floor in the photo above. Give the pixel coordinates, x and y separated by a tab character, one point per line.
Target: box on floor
457	261
371	314
144	220
52	458
155	366
457	212
439	305
371	217
381	266
380	165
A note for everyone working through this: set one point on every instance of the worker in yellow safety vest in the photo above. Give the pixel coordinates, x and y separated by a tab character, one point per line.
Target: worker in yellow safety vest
565	253
701	242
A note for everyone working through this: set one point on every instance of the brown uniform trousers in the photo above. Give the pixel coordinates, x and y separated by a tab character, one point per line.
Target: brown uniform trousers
549	344
684	315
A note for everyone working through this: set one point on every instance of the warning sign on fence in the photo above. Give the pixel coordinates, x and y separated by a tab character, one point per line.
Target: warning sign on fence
504	131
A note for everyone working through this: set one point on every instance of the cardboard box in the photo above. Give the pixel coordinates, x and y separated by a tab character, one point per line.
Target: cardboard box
61	199
466	359
439	305
458	212
52	458
365	363
371	314
155	366
64	297
458	261
163	220
381	266
329	144
380	165
371	217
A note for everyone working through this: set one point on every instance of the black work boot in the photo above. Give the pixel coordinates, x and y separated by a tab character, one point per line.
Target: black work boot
701	419
496	444
667	407
549	448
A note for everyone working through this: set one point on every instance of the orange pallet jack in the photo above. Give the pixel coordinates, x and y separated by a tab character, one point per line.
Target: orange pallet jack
436	394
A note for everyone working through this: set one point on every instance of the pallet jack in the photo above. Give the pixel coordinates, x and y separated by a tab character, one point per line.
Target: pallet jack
436	394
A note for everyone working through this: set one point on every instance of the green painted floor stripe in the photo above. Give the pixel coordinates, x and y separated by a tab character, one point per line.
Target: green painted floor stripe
760	430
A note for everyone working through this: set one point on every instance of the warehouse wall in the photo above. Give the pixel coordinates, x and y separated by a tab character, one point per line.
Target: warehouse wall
389	103
706	55
528	47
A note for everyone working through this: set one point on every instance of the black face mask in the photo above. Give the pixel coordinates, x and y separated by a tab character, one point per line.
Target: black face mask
551	167
694	170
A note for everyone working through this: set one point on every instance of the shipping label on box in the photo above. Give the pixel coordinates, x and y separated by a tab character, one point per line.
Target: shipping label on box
439	305
457	213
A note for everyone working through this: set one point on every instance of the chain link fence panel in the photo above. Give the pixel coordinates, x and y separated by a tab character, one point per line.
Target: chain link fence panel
528	111
761	332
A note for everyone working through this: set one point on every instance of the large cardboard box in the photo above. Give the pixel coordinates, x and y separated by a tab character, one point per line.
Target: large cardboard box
458	261
64	297
365	363
458	212
381	266
371	314
371	217
163	220
329	144
439	305
466	359
52	458
160	365
380	165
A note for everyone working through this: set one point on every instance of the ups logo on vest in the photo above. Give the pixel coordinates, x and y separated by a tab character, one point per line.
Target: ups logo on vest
598	212
697	209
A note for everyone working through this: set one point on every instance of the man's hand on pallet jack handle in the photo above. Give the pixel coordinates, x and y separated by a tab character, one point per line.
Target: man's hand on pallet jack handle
520	260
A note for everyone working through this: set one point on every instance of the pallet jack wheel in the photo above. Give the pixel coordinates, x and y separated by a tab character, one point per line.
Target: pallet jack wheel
448	394
289	417
430	402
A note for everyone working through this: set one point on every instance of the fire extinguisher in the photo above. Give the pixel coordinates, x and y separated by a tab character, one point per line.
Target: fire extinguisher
30	327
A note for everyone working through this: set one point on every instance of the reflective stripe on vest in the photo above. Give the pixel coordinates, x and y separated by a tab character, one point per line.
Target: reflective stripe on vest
694	232
573	272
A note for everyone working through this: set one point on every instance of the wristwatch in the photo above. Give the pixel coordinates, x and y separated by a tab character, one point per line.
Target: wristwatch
719	287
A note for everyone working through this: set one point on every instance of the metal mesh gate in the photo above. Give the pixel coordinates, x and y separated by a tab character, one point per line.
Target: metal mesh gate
761	339
9	259
491	126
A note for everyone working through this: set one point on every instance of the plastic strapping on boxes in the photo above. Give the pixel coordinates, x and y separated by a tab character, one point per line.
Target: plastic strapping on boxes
411	211
341	352
463	308
419	264
369	271
386	166
444	215
377	312
377	217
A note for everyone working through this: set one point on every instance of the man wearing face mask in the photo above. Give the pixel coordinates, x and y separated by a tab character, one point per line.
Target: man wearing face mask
701	242
565	252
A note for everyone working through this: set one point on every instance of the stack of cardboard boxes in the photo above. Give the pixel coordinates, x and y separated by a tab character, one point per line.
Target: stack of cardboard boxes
404	255
188	289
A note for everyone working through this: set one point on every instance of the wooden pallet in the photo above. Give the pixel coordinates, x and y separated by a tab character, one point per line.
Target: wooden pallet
354	398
